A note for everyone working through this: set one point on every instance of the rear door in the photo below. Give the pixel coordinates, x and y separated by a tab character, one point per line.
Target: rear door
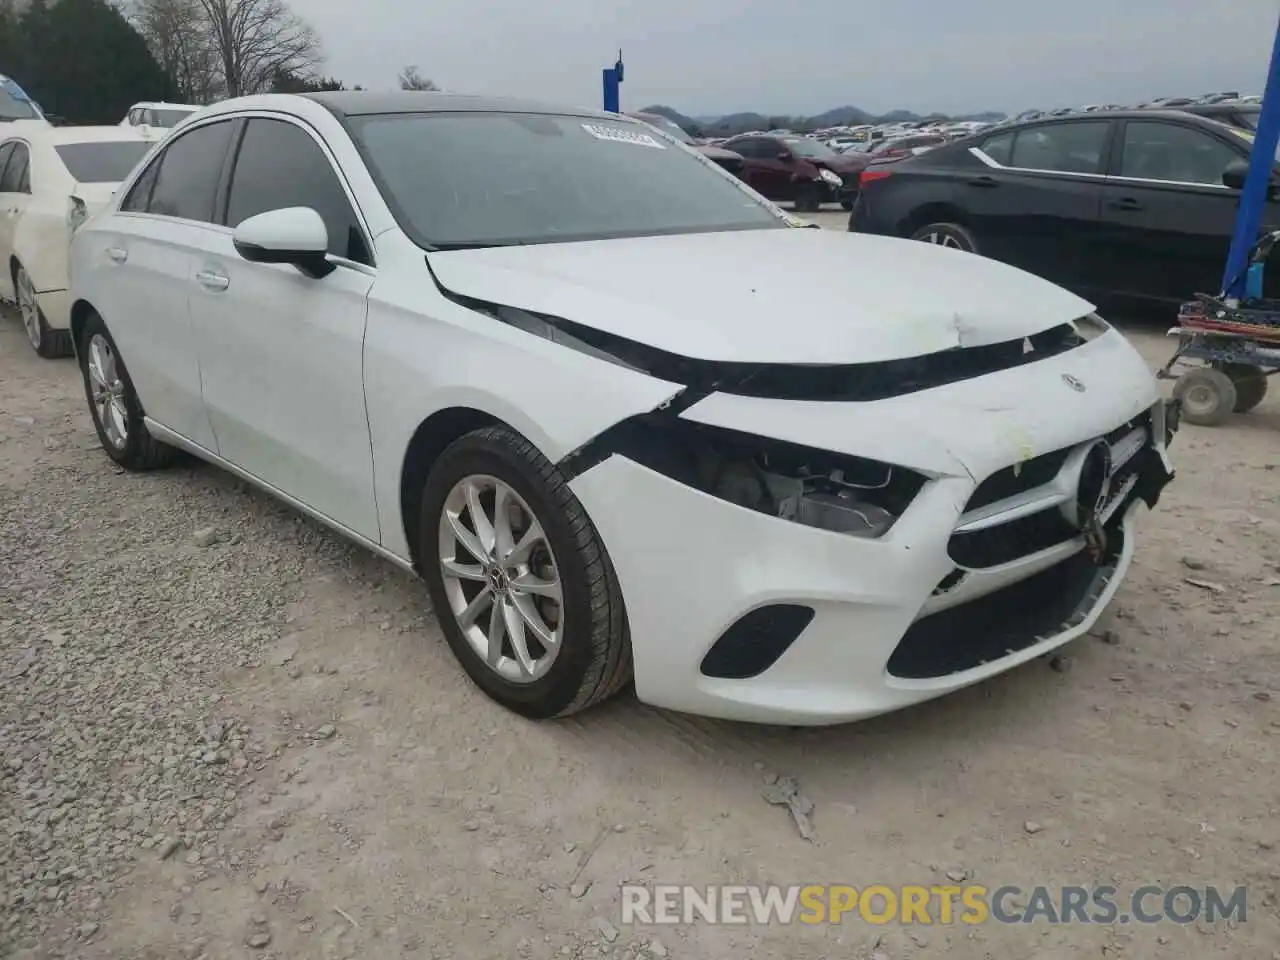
1035	201
1167	218
140	260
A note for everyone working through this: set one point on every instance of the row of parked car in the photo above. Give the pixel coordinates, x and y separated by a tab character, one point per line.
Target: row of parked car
53	177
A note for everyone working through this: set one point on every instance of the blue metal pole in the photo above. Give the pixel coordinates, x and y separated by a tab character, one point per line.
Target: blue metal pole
1253	199
611	104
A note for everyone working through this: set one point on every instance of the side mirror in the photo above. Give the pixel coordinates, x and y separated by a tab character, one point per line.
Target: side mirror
1235	174
294	235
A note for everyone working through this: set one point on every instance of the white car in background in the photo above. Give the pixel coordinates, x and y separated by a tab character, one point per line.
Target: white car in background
51	180
557	366
158	115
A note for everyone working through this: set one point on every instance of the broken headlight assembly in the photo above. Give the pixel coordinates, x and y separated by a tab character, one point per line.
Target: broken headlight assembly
816	488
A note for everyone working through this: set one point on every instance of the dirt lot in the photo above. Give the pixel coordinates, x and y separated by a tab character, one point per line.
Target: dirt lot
251	741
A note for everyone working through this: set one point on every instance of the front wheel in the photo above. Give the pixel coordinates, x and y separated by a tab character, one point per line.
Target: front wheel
113	403
522	585
808	198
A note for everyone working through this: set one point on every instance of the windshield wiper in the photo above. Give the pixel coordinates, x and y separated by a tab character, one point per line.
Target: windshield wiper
474	245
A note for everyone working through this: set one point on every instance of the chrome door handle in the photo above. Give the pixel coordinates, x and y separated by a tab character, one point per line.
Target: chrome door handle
214	281
118	254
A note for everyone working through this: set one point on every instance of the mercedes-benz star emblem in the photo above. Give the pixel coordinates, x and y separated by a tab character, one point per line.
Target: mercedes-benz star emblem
1092	493
1073	383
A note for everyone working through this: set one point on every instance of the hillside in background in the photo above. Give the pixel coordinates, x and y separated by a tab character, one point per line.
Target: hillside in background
735	123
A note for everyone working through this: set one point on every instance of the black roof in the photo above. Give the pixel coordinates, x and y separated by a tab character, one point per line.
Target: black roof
358	103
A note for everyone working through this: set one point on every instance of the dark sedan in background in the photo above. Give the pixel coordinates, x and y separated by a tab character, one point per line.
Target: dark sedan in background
799	170
1139	203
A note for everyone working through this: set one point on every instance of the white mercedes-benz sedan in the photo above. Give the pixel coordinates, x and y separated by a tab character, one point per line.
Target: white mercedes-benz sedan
624	416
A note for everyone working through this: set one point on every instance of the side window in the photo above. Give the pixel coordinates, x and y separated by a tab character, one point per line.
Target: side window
1167	151
5	152
999	148
1062	147
744	148
15	178
139	197
279	165
187	179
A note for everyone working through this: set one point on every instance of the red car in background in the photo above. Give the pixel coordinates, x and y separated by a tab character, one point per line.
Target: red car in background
797	169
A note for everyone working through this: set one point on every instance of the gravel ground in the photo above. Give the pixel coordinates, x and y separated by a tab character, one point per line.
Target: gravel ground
225	733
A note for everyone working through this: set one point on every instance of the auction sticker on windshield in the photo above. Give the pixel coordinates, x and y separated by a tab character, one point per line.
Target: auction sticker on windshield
621	135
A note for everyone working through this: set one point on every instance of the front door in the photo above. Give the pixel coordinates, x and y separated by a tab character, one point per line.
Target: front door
281	353
1167	218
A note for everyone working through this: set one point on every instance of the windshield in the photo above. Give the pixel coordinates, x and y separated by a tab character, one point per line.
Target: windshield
493	179
804	147
101	162
170	118
1249	118
14	104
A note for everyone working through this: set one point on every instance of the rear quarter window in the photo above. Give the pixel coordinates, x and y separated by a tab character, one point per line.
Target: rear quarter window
105	162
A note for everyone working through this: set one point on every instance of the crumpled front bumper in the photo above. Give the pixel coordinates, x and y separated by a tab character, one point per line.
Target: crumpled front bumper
691	565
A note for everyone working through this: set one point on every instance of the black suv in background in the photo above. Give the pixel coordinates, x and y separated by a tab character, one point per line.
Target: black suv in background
1136	203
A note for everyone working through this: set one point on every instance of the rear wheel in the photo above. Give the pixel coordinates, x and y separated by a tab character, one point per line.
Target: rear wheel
1208	396
950	235
522	586
1250	383
846	204
47	342
113	403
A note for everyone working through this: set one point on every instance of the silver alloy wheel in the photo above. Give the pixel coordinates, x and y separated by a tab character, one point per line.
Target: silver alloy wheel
107	389
28	308
501	578
942	240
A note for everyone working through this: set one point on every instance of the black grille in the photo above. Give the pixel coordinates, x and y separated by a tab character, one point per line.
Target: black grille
1010	541
1038	471
755	641
1004	622
1014	480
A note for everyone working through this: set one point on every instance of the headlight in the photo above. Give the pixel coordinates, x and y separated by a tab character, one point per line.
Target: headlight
816	488
831	178
1091	326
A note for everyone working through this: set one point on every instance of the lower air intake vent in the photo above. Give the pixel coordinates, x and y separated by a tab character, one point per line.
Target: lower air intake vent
755	642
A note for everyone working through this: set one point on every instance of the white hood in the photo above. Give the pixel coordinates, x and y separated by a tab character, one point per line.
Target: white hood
772	296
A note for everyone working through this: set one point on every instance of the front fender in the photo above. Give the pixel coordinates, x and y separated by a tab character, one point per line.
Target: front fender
416	365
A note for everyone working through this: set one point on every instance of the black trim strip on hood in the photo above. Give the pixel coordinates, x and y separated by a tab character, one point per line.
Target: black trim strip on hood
844	382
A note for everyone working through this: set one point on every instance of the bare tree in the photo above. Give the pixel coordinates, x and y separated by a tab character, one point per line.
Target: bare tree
180	40
257	39
411	79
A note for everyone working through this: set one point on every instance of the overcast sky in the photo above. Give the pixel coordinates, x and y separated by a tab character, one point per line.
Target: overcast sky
804	56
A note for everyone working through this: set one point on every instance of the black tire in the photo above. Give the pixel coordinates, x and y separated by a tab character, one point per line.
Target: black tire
1250	383
846	204
140	451
594	658
48	343
808	198
950	235
1208	396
